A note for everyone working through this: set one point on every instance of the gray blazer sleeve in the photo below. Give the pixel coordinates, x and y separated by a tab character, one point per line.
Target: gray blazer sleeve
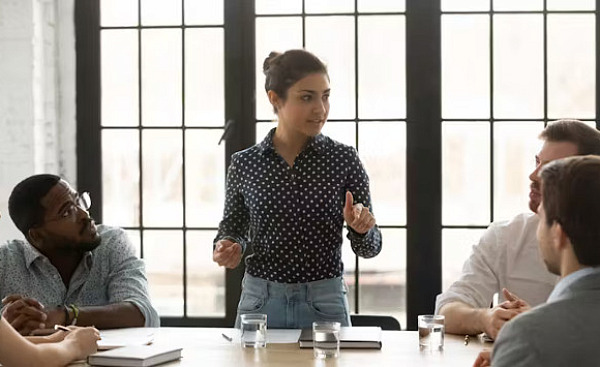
514	346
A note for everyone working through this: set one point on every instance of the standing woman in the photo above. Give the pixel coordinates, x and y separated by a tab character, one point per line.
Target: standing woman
288	198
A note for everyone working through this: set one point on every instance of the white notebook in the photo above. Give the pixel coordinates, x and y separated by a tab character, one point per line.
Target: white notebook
135	356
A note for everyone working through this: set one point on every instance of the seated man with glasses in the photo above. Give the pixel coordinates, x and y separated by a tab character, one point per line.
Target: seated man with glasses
69	271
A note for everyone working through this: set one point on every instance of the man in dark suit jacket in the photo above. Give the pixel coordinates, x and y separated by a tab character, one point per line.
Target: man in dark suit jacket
564	331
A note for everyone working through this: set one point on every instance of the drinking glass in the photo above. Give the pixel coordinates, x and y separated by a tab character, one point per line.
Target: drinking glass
431	332
254	330
326	339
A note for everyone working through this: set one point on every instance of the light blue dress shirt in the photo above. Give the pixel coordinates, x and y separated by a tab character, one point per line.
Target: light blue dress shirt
111	273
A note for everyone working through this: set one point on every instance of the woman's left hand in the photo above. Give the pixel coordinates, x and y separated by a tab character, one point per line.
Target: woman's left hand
359	218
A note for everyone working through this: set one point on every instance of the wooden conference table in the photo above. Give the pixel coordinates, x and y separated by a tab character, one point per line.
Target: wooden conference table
207	347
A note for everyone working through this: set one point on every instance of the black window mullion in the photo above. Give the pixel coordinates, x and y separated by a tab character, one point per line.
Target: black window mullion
597	12
183	160
140	133
356	123
492	115
88	112
240	107
545	51
424	166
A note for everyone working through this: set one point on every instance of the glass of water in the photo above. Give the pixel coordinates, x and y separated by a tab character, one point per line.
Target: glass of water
254	330
326	339
431	332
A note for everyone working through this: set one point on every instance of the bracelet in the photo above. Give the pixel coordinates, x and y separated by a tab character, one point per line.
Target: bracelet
66	314
75	313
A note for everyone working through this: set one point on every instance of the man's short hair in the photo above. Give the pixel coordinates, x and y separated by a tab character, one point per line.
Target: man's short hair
585	137
571	197
24	203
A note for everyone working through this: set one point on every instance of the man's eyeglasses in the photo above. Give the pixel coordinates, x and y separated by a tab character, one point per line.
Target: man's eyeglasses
80	201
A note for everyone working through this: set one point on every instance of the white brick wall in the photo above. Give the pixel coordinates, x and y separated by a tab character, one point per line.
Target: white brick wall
37	98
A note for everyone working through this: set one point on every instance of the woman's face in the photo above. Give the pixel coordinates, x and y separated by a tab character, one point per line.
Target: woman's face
306	108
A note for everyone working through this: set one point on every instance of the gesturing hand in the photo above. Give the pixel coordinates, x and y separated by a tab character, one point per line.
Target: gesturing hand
514	302
357	216
227	253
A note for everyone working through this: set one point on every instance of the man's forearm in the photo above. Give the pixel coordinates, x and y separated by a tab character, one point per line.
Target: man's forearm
118	315
462	318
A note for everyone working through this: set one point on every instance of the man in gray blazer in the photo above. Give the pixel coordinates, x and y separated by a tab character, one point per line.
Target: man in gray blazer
564	331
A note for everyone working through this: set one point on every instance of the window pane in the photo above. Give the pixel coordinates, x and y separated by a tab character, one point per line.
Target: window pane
161	12
571	4
381	67
456	248
204	77
273	34
204	177
163	254
465	5
262	128
118	13
161	77
383	278
329	6
203	12
465	173
342	131
382	148
465	66
518	66
278	6
332	40
136	240
161	184
571	66
518	4
515	146
381	6
120	177
205	280
120	91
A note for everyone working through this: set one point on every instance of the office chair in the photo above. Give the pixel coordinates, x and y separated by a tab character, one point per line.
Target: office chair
385	322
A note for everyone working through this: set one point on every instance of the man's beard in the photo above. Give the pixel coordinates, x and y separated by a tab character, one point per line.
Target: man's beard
65	245
68	245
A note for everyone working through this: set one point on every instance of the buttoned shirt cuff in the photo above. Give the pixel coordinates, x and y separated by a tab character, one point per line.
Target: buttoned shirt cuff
355	236
151	318
449	296
232	239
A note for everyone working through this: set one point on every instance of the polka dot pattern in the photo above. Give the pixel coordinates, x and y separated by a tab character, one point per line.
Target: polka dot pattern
292	216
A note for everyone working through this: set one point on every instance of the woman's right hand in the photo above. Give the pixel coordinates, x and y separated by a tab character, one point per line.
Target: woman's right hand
84	340
227	253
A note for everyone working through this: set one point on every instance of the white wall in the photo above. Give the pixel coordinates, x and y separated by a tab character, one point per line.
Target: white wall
37	95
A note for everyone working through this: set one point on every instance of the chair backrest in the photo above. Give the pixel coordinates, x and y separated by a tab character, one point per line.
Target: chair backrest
385	322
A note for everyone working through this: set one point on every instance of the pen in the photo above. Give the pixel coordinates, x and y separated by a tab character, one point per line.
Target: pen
228	338
60	327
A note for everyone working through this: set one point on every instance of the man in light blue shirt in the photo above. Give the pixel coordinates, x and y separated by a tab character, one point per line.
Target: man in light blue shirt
69	271
564	331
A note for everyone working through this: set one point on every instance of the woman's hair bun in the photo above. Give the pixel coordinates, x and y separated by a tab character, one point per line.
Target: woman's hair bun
269	60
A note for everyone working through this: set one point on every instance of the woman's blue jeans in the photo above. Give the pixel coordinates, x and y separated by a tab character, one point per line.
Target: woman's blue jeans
294	305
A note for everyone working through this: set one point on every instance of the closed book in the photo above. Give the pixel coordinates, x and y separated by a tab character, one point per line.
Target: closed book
135	356
360	337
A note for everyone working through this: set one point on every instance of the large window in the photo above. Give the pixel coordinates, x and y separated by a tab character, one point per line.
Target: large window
443	99
506	71
162	115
